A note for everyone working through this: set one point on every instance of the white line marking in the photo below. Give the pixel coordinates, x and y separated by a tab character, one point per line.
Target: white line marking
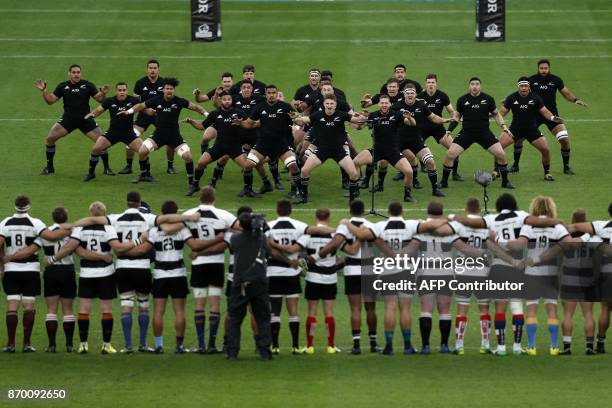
461	57
106	120
122	56
307	40
302	11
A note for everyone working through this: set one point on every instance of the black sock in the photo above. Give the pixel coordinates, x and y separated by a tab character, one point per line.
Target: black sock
198	176
415	173
568	345
445	329
189	170
265	179
503	171
356	338
143	166
295	181
353	189
446	171
247	177
203	147
275	328
104	157
590	341
456	165
217	172
368	173
83	327
170	164
344	176
107	327
128	162
273	165
565	154
68	326
407	191
425	327
304	187
518	150
51	326
372	337
433	178
93	162
50	152
294	328
382	173
546	168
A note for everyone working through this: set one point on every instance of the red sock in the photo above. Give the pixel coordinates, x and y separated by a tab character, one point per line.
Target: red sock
485	326
460	325
28	325
330	325
11	326
311	325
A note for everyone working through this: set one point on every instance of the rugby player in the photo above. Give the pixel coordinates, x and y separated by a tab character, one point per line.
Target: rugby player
121	128
248	75
384	124
148	87
21	276
207	271
393	92
546	85
168	109
75	93
475	107
399	72
331	143
527	108
227	81
303	92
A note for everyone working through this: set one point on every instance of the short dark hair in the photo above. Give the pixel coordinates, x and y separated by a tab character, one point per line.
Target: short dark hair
227	74
248	68
271	86
169	207
356	208
435	208
244	209
245	220
59	215
173	82
249	83
410	85
384	96
74	66
543	61
332	97
22	201
472	205
153	61
322	214
133	199
395	208
224	93
431	76
579	215
392	80
327	73
326	81
506	201
399	66
283	208
120	83
474	79
207	195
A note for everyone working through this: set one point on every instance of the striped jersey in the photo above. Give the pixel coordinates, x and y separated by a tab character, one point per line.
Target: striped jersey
540	240
169	252
284	231
436	254
19	232
324	270
474	237
129	225
95	238
603	229
353	262
578	263
52	247
212	222
396	232
507	225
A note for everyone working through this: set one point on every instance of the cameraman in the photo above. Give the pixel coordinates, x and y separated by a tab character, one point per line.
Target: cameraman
250	285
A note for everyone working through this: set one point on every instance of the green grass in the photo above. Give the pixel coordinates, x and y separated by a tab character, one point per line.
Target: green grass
360	42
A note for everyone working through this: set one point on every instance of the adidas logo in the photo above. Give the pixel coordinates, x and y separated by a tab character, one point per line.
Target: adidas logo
515	103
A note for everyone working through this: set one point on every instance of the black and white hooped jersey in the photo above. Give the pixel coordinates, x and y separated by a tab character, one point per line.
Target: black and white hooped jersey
396	232
212	221
476	238
603	229
353	262
540	240
507	225
95	238
51	248
284	231
169	252
129	225
324	270
578	263
19	232
436	253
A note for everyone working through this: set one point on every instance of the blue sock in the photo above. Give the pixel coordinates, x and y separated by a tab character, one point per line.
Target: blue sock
407	334
159	341
126	325
389	337
200	319
553	330
143	324
532	328
213	323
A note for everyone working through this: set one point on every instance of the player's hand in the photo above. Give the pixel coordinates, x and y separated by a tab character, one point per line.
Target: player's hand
150	112
40	84
344	221
581	103
196	92
187	120
529	262
280	96
193	217
104	89
293	115
108	258
236	121
218	90
90	115
47	261
492	235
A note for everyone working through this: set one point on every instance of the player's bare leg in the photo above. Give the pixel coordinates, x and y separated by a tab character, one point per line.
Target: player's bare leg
453	153
501	164
349	168
129	153
390	302
414	162
146	147
185	153
94	135
542	145
56	132
403	166
405	307
369	306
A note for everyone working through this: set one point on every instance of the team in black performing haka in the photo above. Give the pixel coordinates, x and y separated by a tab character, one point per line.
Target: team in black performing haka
252	124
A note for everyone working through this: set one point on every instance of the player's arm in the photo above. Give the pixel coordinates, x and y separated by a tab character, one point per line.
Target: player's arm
548	115
501	254
21	254
358	119
202	244
499	119
408	119
197	108
454	121
516	244
411	248
95	113
136	108
584	227
176	218
280	257
569	96
69	248
332	245
541	222
467	249
352	248
433	118
431	225
57	234
503	111
122	247
362	234
217	248
142	249
49	98
366	101
87	221
91	255
553	252
468	221
444	230
247	123
197	124
197	94
101	94
298	119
